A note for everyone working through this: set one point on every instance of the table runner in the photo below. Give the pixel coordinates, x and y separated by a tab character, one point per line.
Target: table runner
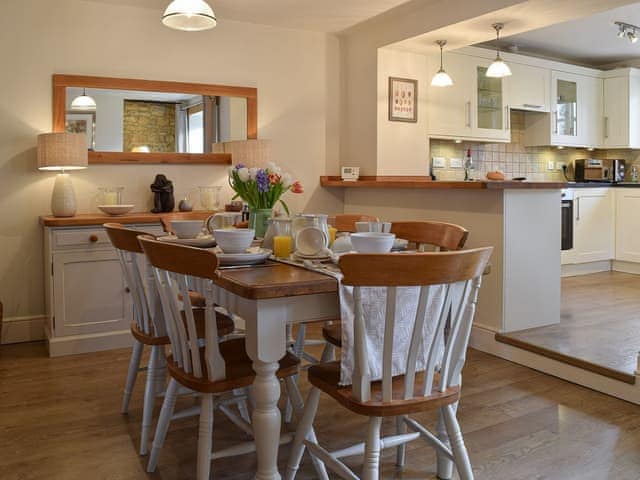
374	301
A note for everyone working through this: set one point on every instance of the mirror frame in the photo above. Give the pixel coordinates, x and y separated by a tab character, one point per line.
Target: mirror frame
61	82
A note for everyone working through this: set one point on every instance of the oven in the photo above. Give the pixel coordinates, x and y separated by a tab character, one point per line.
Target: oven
567	219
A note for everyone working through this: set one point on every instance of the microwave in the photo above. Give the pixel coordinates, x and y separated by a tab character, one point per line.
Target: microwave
596	170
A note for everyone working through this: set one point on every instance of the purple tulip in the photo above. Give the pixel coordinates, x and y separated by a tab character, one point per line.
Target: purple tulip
262	179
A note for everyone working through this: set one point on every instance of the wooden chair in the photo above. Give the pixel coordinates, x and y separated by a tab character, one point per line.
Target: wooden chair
148	326
437	387
214	369
346	222
439	235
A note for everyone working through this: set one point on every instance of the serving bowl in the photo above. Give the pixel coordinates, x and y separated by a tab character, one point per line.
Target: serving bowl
372	242
186	228
116	209
234	240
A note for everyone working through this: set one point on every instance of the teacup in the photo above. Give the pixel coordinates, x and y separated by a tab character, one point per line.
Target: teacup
223	220
186	228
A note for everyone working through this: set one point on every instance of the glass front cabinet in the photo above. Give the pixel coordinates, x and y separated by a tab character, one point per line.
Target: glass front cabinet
491	109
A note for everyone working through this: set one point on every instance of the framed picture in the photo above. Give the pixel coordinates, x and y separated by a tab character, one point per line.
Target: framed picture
82	122
403	100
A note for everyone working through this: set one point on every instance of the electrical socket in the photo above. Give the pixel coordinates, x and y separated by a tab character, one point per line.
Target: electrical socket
551	165
438	162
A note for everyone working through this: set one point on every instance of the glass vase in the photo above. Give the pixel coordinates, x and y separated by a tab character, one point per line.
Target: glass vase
259	219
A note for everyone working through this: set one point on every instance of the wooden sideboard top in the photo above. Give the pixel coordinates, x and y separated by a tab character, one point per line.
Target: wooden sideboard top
86	219
426	182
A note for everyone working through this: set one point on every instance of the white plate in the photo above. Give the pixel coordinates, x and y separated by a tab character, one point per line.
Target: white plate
116	209
252	256
310	241
204	241
321	257
399	244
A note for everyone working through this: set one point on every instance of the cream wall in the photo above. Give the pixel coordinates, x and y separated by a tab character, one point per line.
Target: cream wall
296	74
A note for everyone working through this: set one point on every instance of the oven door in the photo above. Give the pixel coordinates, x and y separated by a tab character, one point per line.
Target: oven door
567	224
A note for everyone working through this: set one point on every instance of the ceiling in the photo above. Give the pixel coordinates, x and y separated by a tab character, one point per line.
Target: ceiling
590	41
316	15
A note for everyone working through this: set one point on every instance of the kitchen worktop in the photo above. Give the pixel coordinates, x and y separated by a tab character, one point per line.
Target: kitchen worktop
87	219
427	183
603	185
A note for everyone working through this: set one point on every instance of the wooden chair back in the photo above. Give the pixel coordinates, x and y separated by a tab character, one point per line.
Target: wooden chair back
459	273
443	236
139	281
178	269
347	222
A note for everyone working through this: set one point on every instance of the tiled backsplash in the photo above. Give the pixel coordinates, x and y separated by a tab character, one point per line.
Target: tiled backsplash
516	160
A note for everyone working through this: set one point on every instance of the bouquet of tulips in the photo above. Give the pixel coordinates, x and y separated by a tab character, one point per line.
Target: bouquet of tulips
262	188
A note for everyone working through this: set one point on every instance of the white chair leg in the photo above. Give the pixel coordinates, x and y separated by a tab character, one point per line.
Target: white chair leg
401	451
205	437
242	405
304	428
329	353
132	374
459	450
298	347
168	406
445	465
371	467
149	400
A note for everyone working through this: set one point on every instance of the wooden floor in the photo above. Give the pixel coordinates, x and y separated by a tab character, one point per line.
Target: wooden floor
599	325
59	419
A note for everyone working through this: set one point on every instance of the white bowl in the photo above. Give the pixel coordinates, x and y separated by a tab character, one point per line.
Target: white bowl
186	228
234	240
116	209
372	242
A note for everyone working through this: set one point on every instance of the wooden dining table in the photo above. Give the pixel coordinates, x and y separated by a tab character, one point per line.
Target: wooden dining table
268	297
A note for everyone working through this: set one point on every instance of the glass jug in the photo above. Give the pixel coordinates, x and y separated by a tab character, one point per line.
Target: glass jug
277	227
304	220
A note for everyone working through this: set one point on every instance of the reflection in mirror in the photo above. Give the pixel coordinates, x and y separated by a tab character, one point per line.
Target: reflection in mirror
139	121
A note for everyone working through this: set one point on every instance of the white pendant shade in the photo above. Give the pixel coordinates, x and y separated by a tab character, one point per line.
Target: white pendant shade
498	69
441	79
189	15
83	102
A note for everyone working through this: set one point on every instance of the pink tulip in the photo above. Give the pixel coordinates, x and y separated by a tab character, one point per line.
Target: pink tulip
297	187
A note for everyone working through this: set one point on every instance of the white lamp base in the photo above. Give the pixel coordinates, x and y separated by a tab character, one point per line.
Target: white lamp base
63	200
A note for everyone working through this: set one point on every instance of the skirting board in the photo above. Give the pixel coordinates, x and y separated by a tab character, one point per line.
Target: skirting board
625	267
573	269
89	343
22	329
483	339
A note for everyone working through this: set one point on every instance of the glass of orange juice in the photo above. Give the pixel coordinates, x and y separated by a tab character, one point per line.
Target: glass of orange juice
282	246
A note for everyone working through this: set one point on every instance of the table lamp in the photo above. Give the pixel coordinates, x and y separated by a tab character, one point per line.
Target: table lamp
62	152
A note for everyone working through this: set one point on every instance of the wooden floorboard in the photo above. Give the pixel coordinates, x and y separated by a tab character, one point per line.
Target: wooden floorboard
599	327
59	419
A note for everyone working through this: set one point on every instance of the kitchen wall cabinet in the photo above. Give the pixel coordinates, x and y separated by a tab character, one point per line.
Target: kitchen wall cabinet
474	107
621	103
529	88
576	113
88	304
593	226
627	230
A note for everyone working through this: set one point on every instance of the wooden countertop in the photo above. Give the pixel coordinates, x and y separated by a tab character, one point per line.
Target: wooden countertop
86	219
426	182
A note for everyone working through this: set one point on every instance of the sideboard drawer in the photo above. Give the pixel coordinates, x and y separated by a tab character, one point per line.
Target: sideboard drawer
90	237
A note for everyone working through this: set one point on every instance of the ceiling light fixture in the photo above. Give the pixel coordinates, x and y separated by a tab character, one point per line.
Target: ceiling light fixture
498	69
83	102
628	31
189	16
441	78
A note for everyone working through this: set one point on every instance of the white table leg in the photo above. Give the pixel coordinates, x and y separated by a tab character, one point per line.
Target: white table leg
266	342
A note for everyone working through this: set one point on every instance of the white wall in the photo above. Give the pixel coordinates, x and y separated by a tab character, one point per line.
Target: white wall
296	74
403	147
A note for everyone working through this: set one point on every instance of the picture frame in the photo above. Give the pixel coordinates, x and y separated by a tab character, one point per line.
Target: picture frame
403	100
82	122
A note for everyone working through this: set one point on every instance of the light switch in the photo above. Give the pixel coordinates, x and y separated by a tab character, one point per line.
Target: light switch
438	162
455	163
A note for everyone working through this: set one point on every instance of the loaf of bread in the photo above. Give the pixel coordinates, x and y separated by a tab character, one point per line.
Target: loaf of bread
497	175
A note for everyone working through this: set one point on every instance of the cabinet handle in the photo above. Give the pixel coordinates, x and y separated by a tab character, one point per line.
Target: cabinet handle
507	118
467	115
531	105
578	208
606	127
555	122
93	238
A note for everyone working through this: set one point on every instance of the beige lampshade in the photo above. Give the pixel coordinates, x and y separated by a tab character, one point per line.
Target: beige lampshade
62	151
250	153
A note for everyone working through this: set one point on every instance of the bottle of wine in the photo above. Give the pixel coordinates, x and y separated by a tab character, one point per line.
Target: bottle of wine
468	166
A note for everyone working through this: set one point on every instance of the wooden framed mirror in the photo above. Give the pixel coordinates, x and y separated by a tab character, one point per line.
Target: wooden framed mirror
147	121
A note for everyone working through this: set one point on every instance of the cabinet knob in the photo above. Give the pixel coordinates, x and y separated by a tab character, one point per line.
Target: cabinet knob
126	289
93	238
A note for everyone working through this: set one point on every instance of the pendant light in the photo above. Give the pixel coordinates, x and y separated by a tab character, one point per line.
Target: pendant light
189	15
441	78
83	102
498	69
